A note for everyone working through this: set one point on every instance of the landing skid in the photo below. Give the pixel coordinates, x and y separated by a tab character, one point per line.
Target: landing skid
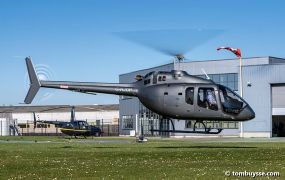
205	131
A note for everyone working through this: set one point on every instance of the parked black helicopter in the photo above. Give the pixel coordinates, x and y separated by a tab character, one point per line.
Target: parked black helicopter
73	127
173	95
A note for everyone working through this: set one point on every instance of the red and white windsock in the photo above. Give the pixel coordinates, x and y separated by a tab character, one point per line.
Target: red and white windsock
237	51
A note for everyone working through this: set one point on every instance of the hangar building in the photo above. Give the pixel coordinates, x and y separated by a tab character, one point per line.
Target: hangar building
263	88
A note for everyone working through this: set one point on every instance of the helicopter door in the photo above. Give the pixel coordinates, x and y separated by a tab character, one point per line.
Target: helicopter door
174	98
207	104
74	125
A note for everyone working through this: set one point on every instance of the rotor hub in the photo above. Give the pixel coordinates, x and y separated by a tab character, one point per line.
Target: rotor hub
179	57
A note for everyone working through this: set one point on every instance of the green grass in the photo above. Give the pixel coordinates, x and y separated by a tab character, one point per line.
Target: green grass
53	157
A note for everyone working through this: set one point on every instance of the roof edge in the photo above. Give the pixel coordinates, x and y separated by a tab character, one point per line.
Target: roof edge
194	61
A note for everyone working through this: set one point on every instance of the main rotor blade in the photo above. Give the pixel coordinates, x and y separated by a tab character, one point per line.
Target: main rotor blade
170	42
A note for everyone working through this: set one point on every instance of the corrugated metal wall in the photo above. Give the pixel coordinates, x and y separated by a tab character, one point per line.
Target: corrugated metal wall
259	94
278	96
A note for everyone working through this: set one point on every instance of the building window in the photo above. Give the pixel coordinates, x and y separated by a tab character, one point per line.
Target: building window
188	124
229	79
23	125
128	122
122	97
43	125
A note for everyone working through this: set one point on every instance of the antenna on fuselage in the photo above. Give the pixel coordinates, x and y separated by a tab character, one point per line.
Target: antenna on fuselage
203	70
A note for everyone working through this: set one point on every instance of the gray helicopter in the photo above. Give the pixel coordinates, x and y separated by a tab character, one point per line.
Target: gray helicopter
173	95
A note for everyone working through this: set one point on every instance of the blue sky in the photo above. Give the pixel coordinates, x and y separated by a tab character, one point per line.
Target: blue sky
74	38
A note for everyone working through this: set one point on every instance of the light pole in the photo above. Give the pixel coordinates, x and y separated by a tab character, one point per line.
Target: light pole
237	52
241	91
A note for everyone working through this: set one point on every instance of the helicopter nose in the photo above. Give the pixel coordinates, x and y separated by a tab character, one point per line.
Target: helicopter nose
247	113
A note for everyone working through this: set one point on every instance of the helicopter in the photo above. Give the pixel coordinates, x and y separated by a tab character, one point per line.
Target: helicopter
173	95
73	127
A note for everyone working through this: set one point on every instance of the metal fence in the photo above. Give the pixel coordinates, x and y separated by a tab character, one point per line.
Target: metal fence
12	128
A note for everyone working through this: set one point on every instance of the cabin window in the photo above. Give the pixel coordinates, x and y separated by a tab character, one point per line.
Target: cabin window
165	93
128	122
177	76
161	78
43	125
82	125
189	95
207	98
23	125
147	81
180	94
69	125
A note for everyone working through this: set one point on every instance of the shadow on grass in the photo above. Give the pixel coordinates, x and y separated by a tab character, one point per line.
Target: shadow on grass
205	147
66	147
178	147
106	147
99	147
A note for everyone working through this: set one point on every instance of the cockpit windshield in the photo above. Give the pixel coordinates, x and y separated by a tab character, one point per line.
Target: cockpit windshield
231	102
148	74
82	124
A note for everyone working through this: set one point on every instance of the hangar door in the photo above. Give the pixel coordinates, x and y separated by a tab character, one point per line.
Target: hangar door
278	111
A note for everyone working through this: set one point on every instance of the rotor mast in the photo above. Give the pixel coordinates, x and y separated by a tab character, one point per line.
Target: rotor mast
178	58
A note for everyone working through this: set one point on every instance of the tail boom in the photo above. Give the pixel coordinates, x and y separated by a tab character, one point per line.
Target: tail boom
92	87
83	87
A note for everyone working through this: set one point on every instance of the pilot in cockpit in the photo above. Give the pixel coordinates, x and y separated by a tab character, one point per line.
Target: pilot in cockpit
211	98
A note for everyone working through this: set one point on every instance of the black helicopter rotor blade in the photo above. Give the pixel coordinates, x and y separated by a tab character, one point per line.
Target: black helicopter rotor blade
173	42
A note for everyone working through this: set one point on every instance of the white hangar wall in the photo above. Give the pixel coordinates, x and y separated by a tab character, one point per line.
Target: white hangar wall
107	116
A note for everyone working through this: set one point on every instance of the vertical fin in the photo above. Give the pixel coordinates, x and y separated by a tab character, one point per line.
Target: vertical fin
34	81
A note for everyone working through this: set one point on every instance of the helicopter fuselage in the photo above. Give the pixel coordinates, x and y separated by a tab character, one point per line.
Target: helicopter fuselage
174	94
181	96
76	128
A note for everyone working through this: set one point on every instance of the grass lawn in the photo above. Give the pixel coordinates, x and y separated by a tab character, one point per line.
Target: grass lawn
123	158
